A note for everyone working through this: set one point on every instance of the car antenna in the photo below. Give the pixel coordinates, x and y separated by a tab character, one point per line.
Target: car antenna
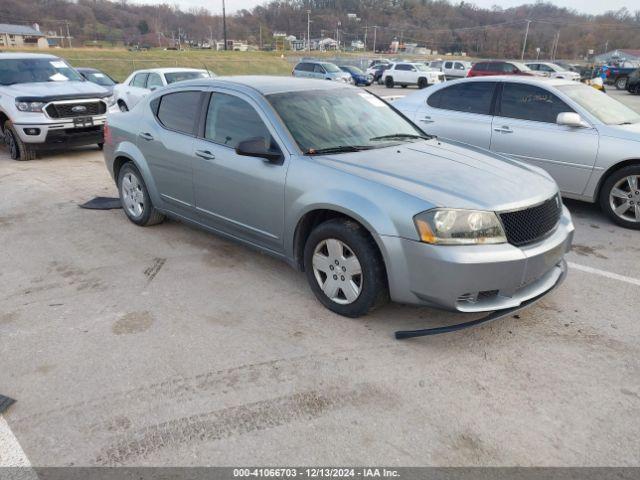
206	69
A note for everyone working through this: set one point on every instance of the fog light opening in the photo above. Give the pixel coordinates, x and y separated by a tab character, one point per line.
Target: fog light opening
32	131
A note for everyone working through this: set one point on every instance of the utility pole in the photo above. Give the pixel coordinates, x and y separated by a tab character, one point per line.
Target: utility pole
606	46
210	36
366	27
224	25
524	44
68	35
261	38
375	31
308	30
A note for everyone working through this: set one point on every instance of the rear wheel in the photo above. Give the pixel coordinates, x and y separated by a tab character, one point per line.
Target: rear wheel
423	83
18	150
344	268
388	82
100	145
620	197
135	197
621	83
404	85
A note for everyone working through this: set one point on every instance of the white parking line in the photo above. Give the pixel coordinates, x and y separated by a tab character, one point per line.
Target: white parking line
11	453
604	273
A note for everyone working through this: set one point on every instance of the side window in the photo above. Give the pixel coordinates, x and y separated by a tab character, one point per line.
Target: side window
302	67
448	65
154	80
179	111
231	120
472	97
530	103
509	68
403	66
318	69
458	66
481	67
139	80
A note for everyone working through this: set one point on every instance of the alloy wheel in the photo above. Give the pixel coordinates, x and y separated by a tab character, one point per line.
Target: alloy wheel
624	198
337	271
133	195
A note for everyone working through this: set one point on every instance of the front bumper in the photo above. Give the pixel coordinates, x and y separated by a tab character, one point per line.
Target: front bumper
62	131
475	278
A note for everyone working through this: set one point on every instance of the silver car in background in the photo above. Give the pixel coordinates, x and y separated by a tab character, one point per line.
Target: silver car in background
587	141
321	71
332	180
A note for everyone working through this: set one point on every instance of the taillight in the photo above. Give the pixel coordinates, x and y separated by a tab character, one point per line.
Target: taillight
106	132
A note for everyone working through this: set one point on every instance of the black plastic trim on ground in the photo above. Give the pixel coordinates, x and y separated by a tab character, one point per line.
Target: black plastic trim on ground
5	402
102	203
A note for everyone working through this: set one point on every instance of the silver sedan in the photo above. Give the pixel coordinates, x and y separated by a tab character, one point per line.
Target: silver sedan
333	181
587	141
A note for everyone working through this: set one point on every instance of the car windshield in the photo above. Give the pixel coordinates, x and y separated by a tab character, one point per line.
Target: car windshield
355	70
173	77
341	118
421	67
600	105
557	68
99	78
521	66
29	70
330	67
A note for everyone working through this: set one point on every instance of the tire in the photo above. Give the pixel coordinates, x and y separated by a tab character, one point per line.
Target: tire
18	150
135	199
122	106
404	85
101	146
614	190
423	83
621	83
388	82
368	290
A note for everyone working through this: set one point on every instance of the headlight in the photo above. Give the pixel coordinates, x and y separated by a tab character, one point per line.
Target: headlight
445	226
111	101
30	106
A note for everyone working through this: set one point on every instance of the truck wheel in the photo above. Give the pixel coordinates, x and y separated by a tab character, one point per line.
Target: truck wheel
388	82
101	146
404	85
18	150
135	197
422	83
344	268
122	106
620	197
621	83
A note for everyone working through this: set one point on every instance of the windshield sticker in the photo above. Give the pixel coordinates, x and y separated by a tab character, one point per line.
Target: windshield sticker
98	75
58	77
58	64
376	102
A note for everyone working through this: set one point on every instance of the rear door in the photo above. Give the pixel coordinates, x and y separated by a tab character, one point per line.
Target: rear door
459	112
137	89
240	195
319	72
525	128
166	140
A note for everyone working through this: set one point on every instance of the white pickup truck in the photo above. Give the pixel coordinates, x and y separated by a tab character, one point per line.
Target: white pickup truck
407	73
44	102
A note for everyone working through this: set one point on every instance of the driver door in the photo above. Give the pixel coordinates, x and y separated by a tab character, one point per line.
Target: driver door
240	195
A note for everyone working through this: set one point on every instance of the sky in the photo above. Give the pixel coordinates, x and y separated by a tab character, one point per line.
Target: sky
583	6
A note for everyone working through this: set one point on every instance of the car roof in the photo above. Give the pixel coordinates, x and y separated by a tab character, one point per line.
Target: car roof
533	80
88	69
8	56
169	70
267	85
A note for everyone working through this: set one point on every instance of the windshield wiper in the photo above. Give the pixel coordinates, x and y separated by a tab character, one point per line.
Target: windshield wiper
338	149
397	136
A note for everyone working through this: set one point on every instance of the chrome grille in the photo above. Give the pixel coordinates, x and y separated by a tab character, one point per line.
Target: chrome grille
76	109
530	225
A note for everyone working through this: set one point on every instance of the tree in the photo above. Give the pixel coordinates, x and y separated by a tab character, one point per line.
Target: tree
143	27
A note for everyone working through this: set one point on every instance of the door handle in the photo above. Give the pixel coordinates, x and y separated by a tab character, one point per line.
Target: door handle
427	119
503	129
146	136
206	154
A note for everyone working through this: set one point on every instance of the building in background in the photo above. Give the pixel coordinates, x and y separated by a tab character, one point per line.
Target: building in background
22	36
622	56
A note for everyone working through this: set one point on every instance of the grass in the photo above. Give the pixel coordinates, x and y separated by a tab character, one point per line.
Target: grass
119	63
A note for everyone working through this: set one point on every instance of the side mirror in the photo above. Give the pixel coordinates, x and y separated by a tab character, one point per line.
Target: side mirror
255	147
153	89
570	119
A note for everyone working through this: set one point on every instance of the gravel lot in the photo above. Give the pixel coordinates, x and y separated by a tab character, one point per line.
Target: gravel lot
170	346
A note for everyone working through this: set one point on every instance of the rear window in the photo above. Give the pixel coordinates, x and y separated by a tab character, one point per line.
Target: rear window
471	97
182	76
179	111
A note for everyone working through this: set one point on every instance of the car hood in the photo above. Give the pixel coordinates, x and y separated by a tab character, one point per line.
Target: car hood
624	132
52	90
450	174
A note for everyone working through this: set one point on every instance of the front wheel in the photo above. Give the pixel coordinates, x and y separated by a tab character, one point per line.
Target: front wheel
422	83
620	197
621	83
388	82
18	150
135	197
344	268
